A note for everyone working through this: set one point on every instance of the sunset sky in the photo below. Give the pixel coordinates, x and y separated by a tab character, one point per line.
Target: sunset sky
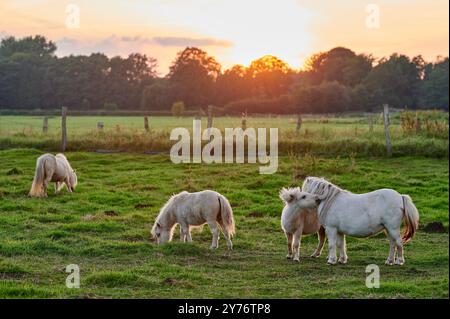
234	31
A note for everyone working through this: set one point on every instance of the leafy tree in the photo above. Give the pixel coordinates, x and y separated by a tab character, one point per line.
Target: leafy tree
434	88
339	64
396	81
178	108
157	96
193	74
271	76
327	97
37	45
232	85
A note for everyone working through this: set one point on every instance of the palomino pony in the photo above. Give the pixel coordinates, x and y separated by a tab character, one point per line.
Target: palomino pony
299	218
361	215
51	168
195	209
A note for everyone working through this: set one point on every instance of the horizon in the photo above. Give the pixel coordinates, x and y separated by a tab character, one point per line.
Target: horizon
161	28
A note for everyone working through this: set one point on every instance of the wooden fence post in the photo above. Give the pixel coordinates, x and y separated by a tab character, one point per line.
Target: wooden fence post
370	123
146	127
63	129
45	125
386	129
299	122
210	116
244	121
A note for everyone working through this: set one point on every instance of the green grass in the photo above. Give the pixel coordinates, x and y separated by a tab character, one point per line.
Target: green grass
39	237
319	135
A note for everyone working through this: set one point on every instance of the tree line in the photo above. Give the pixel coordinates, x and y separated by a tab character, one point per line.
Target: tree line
339	80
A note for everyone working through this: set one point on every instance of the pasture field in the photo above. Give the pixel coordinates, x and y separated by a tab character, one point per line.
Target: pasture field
104	228
319	135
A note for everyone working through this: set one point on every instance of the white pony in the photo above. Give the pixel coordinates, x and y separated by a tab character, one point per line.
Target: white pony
51	168
361	215
298	218
195	209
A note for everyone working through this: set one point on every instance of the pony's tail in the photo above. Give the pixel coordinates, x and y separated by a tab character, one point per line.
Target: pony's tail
411	217
226	213
37	188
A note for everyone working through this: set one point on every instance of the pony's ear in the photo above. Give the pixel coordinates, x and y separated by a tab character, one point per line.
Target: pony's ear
286	195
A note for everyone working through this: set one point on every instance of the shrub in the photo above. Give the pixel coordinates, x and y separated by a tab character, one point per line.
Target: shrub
178	108
109	106
278	105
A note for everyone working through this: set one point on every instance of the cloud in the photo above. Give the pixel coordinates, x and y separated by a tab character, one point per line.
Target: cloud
185	41
120	45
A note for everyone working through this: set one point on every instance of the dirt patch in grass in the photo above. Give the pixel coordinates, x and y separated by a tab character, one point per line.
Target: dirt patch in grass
111	213
14	171
435	227
255	214
141	206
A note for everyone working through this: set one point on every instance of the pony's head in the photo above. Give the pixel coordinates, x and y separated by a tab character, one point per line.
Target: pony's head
161	233
73	179
162	230
295	198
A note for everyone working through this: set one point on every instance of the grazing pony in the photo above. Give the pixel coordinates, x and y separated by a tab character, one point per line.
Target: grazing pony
361	215
299	218
195	209
51	168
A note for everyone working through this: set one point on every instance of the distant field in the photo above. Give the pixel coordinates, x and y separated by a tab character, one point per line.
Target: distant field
320	135
38	238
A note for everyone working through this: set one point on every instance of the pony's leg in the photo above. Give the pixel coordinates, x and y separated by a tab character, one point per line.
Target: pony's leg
188	235
396	241
182	235
289	237
46	182
390	259
340	240
321	235
58	187
227	236
296	244
185	234
332	237
215	234
400	260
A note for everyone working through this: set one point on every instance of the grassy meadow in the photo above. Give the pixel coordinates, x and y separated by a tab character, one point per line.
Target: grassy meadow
104	228
319	135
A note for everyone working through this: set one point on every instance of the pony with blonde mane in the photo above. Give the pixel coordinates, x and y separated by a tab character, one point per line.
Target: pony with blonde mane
195	209
299	217
51	168
361	215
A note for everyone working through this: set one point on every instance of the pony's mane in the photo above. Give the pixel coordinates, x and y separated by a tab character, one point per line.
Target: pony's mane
320	186
164	209
326	191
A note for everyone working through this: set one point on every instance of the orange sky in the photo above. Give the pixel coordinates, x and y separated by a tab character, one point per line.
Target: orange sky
231	30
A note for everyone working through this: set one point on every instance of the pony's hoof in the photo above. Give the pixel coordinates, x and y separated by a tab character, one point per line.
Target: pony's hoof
389	262
399	262
315	255
297	259
331	261
288	256
342	261
213	247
